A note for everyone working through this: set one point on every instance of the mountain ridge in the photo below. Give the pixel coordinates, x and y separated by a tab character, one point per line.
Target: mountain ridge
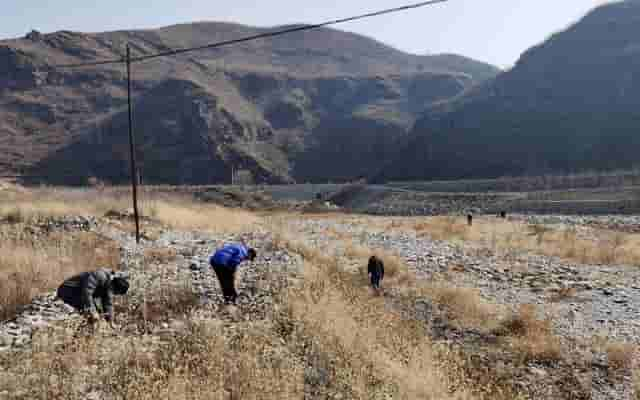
569	104
288	94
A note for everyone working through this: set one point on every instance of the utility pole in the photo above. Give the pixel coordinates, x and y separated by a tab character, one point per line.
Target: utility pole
134	171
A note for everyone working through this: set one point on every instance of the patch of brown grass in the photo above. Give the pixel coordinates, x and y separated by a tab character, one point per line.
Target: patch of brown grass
620	356
530	337
159	255
204	217
179	212
203	361
163	303
465	306
442	228
357	346
395	268
600	247
28	268
376	351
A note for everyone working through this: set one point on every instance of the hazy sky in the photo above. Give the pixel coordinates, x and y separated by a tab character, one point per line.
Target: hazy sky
496	31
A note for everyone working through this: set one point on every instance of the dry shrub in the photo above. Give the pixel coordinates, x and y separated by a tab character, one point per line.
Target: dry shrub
356	251
160	304
204	361
620	356
159	255
191	215
603	247
176	211
29	268
465	306
442	228
532	338
47	203
394	266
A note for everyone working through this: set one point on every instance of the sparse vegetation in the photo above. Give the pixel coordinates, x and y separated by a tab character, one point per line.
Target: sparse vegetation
531	337
30	267
620	356
325	336
600	247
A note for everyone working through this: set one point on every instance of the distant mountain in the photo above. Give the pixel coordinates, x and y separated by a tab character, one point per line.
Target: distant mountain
318	105
571	103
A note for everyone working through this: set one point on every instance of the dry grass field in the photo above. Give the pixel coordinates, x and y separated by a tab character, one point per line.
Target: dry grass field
325	335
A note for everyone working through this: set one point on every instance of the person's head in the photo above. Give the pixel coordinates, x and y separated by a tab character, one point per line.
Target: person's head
119	285
252	254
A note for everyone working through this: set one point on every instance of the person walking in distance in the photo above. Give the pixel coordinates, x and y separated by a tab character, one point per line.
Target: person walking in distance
225	262
376	272
92	291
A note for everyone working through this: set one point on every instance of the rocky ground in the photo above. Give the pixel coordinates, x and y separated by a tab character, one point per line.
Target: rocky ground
604	300
604	303
270	273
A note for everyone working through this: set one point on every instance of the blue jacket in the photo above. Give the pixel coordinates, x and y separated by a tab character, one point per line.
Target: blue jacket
230	256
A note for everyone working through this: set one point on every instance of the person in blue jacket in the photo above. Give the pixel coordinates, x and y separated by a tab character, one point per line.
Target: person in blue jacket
225	262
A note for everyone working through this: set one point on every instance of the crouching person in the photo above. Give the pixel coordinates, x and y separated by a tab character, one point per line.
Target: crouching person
225	262
376	272
85	290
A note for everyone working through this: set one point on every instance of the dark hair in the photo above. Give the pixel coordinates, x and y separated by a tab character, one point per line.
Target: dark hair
119	285
252	254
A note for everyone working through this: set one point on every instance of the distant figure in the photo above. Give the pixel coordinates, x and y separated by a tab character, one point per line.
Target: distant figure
82	291
318	196
375	272
503	214
469	219
225	262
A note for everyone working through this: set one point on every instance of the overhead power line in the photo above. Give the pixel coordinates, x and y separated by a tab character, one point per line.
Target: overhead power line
256	37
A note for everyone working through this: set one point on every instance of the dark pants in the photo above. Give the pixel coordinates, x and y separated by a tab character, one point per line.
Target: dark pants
226	276
375	280
71	296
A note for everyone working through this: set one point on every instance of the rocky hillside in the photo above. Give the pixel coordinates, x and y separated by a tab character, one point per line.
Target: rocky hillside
569	104
280	107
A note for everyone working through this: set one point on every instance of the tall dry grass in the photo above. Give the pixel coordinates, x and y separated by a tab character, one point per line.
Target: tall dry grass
380	351
509	237
178	212
28	268
395	270
190	215
28	205
203	361
531	337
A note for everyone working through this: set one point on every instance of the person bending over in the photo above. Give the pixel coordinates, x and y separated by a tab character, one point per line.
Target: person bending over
92	291
225	262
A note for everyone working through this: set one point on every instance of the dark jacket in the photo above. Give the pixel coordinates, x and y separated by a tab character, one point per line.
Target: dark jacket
230	256
81	291
376	267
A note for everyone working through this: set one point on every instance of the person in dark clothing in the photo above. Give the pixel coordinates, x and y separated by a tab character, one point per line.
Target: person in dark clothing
375	271
85	290
225	262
